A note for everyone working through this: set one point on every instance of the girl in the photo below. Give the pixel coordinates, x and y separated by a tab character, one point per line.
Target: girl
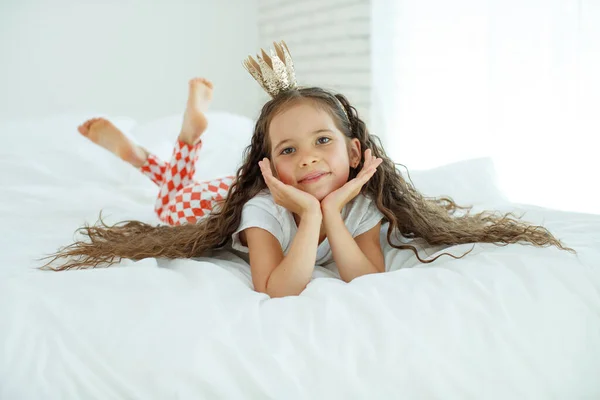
314	188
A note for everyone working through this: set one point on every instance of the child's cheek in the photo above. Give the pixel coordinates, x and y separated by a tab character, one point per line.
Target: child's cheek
284	176
340	180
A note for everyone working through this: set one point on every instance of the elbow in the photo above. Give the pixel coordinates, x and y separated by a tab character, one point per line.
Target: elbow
276	290
274	293
282	292
280	295
372	269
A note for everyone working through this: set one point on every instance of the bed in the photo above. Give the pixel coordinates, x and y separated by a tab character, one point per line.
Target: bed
514	322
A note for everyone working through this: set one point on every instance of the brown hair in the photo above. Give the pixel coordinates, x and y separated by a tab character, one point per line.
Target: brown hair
409	213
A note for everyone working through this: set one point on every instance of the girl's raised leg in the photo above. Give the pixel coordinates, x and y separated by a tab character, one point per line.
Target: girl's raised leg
180	199
105	134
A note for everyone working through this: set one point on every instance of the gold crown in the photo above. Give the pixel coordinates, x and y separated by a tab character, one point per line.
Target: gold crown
275	73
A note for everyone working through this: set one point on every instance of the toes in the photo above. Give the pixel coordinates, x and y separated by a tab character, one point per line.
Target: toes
97	121
207	82
89	127
201	81
89	122
84	128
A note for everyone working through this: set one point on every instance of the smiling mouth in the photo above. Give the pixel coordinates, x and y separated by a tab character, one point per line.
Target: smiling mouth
314	179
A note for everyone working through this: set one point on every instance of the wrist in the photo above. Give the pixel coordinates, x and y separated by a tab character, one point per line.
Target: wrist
331	208
331	214
313	213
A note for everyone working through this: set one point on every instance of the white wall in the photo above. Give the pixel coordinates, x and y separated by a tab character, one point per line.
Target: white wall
329	41
130	57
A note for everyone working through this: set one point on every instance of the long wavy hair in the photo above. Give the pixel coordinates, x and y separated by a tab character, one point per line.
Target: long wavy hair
409	213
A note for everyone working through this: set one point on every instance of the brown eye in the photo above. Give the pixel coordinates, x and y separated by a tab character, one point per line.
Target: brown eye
327	140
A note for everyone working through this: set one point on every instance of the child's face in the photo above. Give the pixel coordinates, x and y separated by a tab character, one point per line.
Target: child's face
304	140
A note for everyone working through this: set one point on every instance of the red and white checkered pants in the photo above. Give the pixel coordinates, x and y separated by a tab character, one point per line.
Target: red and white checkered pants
180	199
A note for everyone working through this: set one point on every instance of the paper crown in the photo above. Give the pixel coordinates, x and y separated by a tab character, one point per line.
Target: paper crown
275	73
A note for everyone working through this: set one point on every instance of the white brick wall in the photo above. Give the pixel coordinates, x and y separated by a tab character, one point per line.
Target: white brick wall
329	40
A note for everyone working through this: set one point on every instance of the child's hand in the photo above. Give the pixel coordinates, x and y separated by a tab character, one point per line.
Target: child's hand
295	200
336	200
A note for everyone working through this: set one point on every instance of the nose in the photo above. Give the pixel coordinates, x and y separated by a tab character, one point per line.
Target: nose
308	159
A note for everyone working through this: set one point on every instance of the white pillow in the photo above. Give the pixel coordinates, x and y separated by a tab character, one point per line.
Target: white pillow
50	151
56	131
467	182
43	151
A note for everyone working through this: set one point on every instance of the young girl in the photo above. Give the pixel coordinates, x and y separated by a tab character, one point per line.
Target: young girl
314	188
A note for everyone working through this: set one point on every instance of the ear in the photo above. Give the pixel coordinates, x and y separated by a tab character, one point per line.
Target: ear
354	152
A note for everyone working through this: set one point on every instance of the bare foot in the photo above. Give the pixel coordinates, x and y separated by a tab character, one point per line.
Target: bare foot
102	132
194	120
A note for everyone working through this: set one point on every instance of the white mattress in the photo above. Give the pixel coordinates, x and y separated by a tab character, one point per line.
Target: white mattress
513	322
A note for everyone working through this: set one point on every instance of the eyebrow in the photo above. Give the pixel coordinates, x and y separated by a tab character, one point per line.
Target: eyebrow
289	140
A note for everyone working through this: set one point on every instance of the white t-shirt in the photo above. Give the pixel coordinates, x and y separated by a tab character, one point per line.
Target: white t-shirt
359	215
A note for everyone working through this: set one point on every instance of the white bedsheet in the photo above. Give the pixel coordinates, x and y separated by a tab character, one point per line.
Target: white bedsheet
513	322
